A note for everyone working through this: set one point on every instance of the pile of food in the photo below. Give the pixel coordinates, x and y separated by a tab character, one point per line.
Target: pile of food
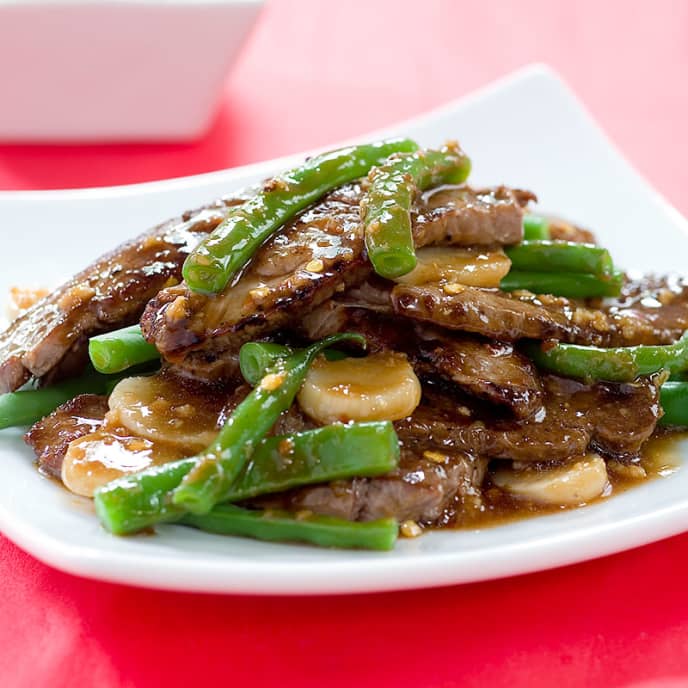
362	346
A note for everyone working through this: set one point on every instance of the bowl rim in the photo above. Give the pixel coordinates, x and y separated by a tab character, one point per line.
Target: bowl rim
129	3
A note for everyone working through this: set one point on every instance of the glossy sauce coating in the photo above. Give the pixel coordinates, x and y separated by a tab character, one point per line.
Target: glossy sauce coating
107	454
660	457
453	266
165	409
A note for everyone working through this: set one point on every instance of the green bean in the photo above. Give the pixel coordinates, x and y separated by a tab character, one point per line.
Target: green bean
219	257
333	452
115	351
560	256
282	526
386	207
620	364
570	284
535	227
134	502
28	406
256	358
674	400
217	467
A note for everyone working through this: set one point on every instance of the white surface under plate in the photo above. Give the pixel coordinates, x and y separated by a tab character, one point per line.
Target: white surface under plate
527	130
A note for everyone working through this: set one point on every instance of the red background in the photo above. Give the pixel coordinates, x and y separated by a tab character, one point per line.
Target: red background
313	73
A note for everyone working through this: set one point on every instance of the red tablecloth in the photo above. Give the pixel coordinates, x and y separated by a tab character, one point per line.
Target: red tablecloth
312	73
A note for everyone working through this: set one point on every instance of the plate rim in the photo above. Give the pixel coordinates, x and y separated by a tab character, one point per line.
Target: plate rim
551	552
509	79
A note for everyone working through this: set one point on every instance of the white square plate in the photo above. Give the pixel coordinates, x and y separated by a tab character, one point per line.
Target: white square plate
527	130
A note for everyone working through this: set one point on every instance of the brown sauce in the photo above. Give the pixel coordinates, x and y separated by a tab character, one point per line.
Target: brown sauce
661	456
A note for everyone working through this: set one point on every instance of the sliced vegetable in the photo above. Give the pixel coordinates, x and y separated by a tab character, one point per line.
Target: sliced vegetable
333	452
386	207
116	351
560	256
282	526
379	387
451	264
620	364
96	459
571	484
160	409
218	258
570	284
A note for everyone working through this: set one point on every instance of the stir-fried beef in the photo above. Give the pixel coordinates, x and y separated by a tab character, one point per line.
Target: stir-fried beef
655	303
427	487
649	312
482	399
51	436
561	230
488	312
614	419
480	216
319	253
423	487
301	266
446	443
487	369
50	338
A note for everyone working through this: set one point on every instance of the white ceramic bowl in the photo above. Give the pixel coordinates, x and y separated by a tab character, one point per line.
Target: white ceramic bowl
115	70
